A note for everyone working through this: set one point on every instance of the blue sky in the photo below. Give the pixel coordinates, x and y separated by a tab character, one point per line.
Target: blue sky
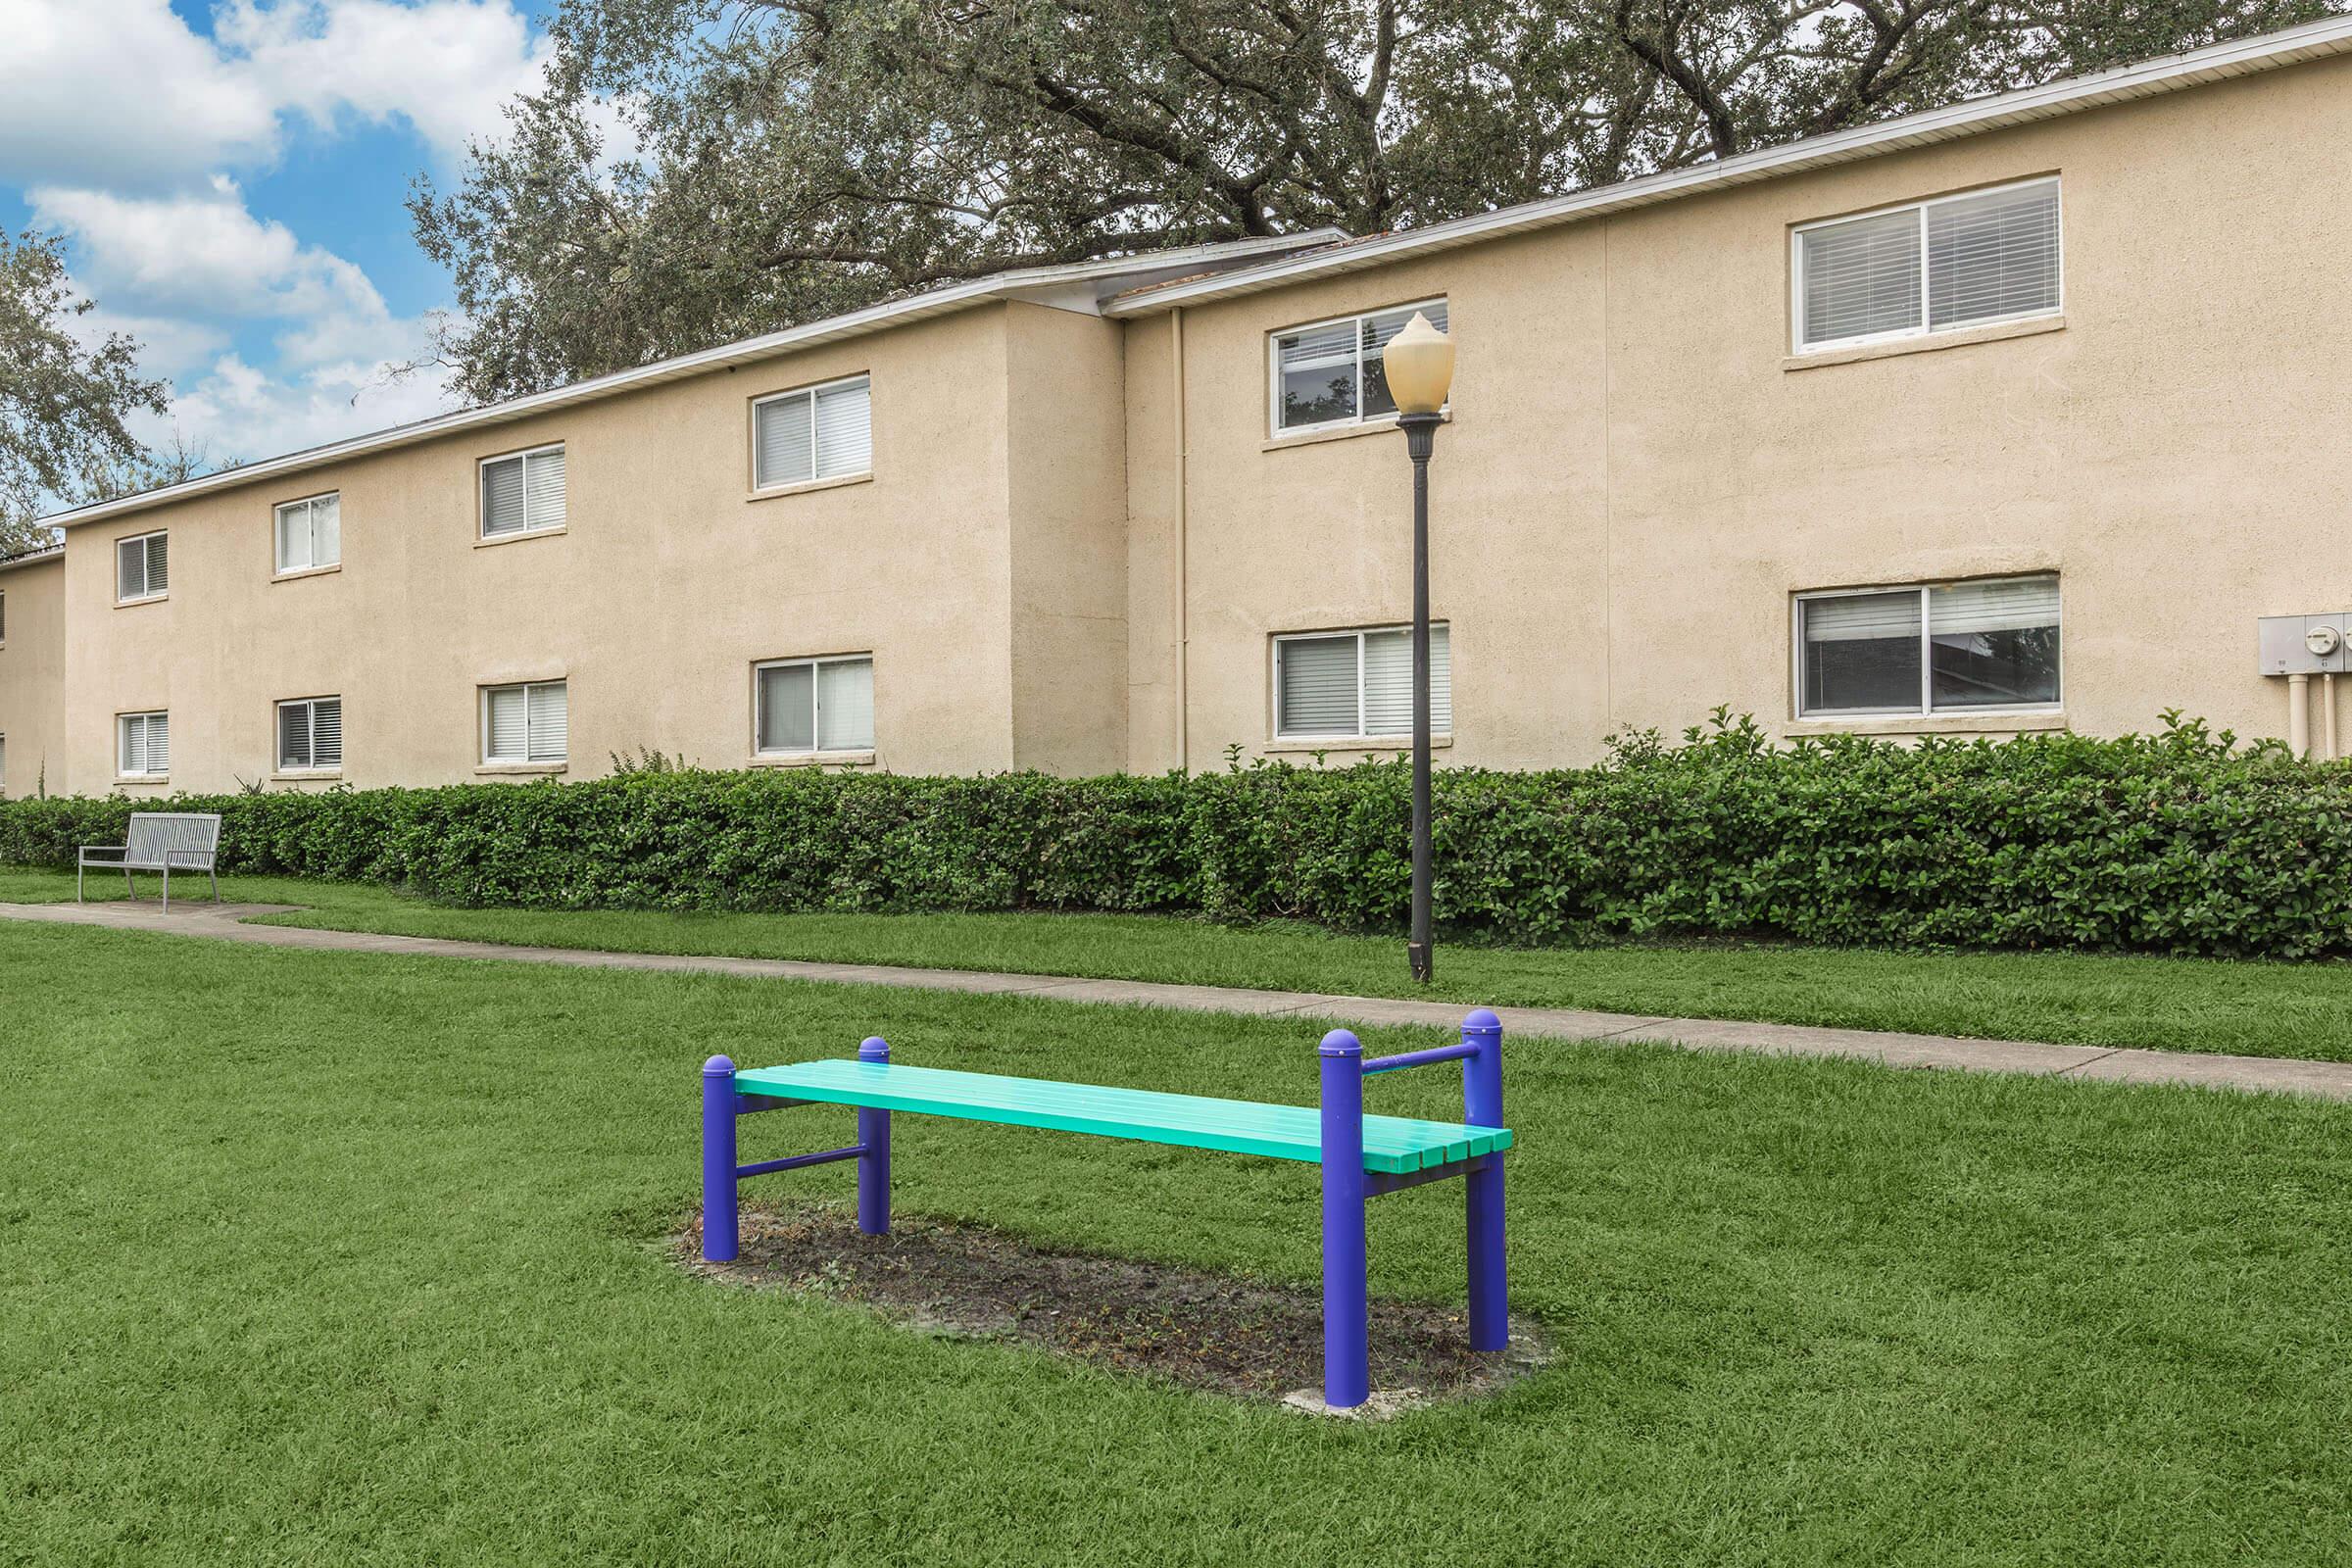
228	175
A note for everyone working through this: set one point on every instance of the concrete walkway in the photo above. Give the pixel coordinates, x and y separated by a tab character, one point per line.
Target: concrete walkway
2327	1080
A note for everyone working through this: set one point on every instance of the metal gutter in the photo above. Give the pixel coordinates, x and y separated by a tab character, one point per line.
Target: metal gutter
1074	286
2166	74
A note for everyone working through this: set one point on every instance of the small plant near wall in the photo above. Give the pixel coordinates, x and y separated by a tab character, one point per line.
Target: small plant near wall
645	759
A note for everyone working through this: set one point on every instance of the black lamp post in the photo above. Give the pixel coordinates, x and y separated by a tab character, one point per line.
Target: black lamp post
1419	365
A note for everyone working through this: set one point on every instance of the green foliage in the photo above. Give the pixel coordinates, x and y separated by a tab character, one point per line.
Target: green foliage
2181	842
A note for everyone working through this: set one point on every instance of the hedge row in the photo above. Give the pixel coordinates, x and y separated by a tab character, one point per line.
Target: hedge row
2180	842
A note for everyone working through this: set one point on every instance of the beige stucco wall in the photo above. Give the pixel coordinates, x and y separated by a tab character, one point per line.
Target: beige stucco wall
1636	479
33	659
669	582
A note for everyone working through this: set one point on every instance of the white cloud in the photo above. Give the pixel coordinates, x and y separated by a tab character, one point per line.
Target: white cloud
207	256
122	93
241	412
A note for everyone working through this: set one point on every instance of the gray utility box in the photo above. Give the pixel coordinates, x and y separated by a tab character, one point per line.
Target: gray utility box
2304	645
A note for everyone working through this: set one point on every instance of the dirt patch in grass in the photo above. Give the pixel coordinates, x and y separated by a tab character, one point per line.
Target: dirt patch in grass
1206	1331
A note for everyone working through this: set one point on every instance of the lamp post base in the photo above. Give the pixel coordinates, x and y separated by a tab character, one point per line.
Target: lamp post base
1419	955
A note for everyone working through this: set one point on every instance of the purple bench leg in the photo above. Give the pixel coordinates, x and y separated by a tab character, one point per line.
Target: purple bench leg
873	1165
1482	1107
1347	1303
719	1237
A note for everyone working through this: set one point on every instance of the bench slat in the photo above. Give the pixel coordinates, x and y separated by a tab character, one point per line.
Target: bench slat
1393	1144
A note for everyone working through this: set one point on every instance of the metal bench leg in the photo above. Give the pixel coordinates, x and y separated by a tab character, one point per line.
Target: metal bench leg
215	876
874	1163
130	889
166	887
80	869
1482	1107
719	1236
1346	1292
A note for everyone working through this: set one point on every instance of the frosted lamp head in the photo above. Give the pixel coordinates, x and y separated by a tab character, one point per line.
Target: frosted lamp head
1419	364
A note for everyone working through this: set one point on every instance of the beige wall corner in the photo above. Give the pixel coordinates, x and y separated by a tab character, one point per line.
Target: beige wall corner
33	678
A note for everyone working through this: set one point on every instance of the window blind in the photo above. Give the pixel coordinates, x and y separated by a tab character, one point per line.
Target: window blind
1331	373
824	432
142	565
523	493
2022	603
146	743
845	429
787	708
1389	682
309	533
326	732
310	733
787	442
1862	618
1861	277
1317	677
548	716
526	723
845	704
1992	256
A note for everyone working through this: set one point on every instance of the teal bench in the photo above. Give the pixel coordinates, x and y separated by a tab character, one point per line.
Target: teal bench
1361	1156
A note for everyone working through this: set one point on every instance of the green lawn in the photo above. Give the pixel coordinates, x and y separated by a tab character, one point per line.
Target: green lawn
2263	1010
351	1259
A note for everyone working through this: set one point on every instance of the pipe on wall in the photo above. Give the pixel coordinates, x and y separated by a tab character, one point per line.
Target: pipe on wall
2327	716
2298	715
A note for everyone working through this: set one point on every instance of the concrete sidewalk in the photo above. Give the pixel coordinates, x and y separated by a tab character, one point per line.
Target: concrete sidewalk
2327	1080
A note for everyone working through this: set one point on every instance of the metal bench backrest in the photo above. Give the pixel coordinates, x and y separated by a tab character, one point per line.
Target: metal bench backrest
189	838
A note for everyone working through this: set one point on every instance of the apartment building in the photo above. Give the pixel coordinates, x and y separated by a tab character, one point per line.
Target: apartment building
2011	416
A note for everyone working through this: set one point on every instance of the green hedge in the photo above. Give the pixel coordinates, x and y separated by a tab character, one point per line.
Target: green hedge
2180	842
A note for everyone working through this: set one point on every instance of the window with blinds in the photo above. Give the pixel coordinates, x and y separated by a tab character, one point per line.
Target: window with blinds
142	745
309	533
803	706
310	734
1935	648
1358	684
1329	373
523	492
1959	261
527	722
142	566
817	432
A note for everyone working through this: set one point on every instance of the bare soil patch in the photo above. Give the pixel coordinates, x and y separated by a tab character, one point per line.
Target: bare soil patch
1216	1333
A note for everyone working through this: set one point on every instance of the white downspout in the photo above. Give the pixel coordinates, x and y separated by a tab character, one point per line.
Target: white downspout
2298	715
1184	585
2328	715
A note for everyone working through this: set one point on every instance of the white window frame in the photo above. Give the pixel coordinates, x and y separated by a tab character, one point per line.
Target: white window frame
141	539
277	537
1926	708
1276	431
481	502
810	393
481	705
816	713
123	735
1359	633
277	733
1796	271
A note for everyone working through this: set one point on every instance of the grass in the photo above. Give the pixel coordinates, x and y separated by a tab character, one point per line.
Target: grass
351	1259
2252	1008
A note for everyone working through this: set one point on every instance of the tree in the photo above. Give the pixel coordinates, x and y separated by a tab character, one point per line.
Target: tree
796	157
62	401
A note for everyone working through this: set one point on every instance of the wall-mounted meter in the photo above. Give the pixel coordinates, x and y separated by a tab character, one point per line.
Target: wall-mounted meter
2304	645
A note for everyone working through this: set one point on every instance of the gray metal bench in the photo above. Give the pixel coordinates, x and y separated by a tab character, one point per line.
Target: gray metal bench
158	841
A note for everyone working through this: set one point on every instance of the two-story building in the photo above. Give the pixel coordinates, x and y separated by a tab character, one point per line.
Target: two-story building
2014	415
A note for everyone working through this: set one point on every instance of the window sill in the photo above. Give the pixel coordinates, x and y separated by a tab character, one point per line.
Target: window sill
142	778
143	599
305	775
527	769
2017	722
1353	743
812	759
1925	343
306	571
518	538
1384	425
777	492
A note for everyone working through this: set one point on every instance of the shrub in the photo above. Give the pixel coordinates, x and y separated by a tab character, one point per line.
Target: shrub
2180	842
